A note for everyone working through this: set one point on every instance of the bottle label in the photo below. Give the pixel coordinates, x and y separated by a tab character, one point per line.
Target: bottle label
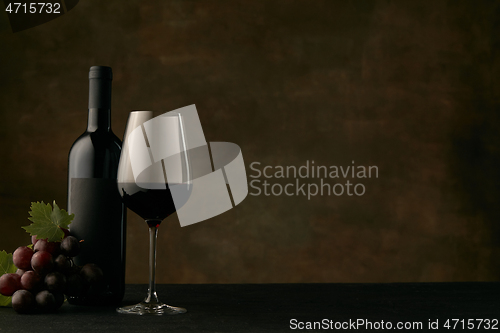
100	221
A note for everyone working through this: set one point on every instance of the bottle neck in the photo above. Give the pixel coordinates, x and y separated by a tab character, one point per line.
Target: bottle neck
99	103
99	119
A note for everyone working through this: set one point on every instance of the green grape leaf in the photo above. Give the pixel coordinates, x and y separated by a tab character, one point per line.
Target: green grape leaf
47	222
60	217
6	263
6	266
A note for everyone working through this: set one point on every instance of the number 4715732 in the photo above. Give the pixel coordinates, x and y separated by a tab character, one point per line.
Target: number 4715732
33	7
471	324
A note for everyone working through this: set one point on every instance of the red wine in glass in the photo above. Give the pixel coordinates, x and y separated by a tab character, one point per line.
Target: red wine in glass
149	203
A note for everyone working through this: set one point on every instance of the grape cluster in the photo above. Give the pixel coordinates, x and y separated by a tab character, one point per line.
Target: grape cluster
46	273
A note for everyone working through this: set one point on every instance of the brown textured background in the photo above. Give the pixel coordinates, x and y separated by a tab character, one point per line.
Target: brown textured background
410	86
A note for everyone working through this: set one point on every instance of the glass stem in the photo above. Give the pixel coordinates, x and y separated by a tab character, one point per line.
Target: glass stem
153	233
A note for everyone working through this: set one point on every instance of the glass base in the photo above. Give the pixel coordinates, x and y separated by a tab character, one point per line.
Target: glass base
157	309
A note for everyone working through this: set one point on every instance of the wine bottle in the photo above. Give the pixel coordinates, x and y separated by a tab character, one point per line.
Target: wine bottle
100	215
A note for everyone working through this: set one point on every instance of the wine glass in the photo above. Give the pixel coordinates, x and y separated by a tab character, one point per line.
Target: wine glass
154	180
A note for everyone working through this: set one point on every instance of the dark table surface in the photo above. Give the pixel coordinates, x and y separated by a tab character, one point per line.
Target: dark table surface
274	307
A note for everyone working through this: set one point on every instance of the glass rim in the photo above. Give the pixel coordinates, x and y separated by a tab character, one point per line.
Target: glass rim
163	114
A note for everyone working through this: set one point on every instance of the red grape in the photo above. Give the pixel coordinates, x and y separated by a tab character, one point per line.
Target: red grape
70	246
66	232
22	257
62	263
23	301
34	239
55	282
75	285
91	273
59	299
46	301
9	284
30	280
42	262
20	272
44	245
